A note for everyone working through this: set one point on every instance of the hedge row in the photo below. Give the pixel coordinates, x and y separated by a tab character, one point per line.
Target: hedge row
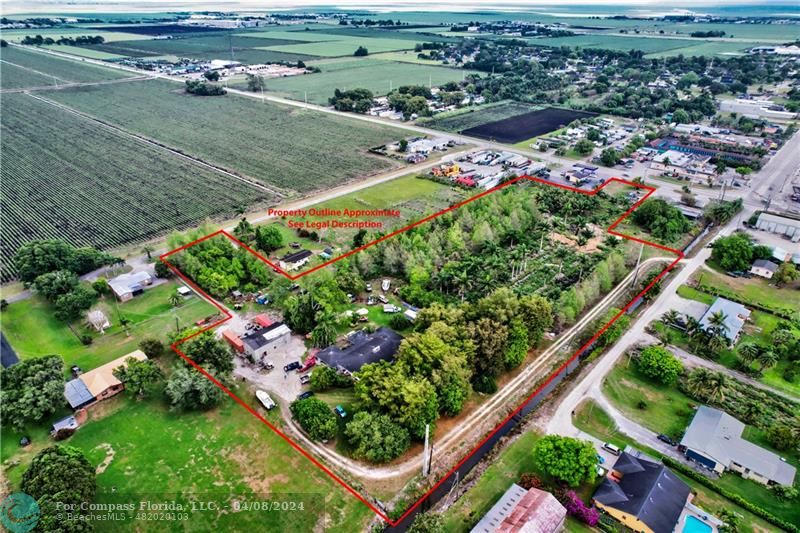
735	498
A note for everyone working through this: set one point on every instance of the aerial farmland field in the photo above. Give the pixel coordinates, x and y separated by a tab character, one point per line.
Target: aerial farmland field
379	76
294	149
648	45
474	117
93	186
31	69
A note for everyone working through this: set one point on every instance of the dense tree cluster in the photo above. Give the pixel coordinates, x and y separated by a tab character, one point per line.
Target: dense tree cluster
32	389
80	40
656	362
139	377
39	257
375	437
315	417
737	252
567	459
59	477
662	220
353	100
202	88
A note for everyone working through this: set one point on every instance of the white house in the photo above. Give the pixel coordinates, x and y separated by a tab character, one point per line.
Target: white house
763	268
126	286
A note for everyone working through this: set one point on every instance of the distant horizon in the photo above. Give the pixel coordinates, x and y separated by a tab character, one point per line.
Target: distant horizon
564	8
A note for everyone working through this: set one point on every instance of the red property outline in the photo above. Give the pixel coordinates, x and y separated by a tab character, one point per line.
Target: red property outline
228	316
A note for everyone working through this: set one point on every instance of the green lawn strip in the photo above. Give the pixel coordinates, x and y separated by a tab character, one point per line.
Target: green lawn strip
670	411
756	290
223	455
592	419
150	313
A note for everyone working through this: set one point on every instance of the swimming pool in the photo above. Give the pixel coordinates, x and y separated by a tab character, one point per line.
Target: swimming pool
695	525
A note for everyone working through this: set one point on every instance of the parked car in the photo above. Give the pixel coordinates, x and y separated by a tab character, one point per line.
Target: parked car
265	399
292	366
611	448
340	411
305	379
600	459
306	394
667	439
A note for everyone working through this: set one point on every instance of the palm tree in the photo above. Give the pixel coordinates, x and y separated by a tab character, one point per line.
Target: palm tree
175	299
707	384
670	318
692	326
767	359
748	352
718	321
148	250
751	411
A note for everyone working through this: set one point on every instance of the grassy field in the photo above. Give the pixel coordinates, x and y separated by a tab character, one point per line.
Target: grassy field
407	56
82	52
376	75
648	45
592	419
224	455
470	118
44	69
756	290
33	331
16	35
51	188
291	148
344	47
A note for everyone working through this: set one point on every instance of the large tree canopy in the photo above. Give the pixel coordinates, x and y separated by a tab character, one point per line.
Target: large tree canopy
32	389
570	460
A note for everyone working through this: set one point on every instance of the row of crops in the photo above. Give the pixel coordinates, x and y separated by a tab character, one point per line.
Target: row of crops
281	146
64	176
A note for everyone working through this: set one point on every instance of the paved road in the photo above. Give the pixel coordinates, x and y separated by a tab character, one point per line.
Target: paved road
589	386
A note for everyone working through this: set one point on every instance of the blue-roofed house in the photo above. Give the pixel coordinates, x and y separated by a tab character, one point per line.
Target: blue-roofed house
735	316
77	394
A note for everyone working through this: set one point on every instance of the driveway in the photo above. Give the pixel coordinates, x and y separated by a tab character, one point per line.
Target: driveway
281	385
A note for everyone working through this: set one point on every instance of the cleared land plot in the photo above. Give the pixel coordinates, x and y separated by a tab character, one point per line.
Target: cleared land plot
205	46
49	66
158	29
65	176
409	35
522	127
345	47
296	149
473	117
83	52
376	75
707	48
16	36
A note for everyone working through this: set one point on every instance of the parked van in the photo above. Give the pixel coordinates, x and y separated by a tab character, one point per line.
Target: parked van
610	448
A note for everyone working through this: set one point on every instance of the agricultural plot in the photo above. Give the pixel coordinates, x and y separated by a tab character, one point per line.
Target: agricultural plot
17	35
64	176
473	117
83	52
14	77
706	48
204	46
521	127
613	42
376	75
47	66
296	149
411	35
344	47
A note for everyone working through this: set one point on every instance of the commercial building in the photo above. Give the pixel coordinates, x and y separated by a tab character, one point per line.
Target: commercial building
714	440
759	109
786	226
264	341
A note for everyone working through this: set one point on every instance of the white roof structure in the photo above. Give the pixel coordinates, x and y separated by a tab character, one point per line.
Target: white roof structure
718	435
275	333
125	283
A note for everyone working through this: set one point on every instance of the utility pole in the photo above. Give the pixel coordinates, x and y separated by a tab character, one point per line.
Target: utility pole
426	464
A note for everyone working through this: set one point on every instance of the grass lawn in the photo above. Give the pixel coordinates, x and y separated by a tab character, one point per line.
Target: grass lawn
592	419
221	455
377	75
755	289
666	409
150	315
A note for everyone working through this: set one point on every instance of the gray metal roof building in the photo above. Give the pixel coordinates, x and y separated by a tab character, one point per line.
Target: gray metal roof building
364	348
780	225
717	436
735	317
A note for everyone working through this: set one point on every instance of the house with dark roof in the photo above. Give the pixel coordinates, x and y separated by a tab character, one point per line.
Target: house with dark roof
714	440
763	268
362	348
523	511
294	260
77	394
643	494
267	340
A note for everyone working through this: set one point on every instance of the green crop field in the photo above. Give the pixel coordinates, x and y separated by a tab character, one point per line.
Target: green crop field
706	48
81	51
613	42
296	149
16	35
344	47
376	75
462	120
65	176
38	68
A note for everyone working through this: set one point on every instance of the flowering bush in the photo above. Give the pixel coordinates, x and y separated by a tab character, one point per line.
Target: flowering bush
575	507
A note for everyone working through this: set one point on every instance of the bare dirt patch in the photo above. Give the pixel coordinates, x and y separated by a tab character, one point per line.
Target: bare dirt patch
110	453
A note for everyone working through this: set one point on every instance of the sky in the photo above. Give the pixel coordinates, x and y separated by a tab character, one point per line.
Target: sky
650	7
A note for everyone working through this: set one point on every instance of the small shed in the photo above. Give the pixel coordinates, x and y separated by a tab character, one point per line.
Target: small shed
263	320
98	320
65	423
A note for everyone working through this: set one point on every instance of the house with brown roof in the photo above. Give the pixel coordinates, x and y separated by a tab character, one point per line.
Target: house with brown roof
101	382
